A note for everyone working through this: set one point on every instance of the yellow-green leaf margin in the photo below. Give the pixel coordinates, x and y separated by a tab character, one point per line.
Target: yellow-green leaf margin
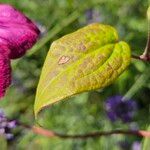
88	59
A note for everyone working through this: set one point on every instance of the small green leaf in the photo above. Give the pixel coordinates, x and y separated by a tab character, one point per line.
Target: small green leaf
87	59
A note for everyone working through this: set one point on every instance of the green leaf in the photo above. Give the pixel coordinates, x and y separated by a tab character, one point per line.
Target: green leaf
146	144
85	60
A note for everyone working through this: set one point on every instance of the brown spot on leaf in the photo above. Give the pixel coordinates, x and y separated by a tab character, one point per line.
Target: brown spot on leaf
63	60
82	47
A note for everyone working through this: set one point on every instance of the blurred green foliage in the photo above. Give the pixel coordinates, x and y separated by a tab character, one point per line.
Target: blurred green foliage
146	144
85	112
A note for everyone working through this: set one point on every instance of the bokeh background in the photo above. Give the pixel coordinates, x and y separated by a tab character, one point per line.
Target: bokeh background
85	112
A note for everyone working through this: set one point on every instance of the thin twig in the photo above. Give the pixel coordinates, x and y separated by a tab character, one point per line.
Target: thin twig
146	53
140	58
50	134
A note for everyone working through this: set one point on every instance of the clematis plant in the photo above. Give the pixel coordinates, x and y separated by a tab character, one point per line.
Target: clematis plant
17	34
93	57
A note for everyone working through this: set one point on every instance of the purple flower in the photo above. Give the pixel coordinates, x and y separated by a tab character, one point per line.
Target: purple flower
136	145
17	34
6	126
89	14
92	15
119	108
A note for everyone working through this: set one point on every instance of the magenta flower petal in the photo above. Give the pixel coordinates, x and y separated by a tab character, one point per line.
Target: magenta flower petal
17	32
5	73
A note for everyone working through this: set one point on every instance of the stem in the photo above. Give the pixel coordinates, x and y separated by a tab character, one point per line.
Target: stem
147	49
142	58
51	134
146	54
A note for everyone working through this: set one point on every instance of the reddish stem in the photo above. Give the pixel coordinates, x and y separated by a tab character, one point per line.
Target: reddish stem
50	134
147	59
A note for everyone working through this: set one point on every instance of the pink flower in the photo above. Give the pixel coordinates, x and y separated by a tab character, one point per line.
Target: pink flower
5	72
17	34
